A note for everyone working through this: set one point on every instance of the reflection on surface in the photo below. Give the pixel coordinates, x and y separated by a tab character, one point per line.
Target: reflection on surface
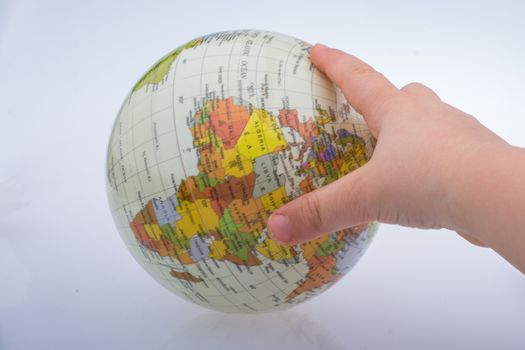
282	330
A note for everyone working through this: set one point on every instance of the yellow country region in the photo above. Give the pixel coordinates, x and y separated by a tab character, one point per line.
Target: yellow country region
235	164
208	215
311	163
355	159
309	248
218	249
324	117
275	199
205	141
153	231
261	135
198	217
272	250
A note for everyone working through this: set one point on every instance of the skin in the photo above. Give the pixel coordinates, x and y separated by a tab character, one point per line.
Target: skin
434	166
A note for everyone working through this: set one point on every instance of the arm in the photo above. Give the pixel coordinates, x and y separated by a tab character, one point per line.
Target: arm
488	201
433	167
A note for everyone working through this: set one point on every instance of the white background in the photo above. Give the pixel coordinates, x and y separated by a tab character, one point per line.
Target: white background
68	282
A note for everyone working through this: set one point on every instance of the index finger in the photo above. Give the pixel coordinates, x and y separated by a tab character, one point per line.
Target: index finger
365	89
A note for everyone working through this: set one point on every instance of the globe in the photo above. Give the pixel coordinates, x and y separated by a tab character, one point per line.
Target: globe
213	138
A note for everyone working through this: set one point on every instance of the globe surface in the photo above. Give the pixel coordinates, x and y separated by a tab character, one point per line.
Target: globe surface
209	142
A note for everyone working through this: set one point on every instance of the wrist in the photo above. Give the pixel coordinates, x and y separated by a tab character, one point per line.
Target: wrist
473	184
484	190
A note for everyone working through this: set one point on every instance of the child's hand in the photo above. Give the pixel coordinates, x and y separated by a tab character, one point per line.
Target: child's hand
433	167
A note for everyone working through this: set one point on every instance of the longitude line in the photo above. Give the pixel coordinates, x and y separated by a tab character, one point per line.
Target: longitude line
184	167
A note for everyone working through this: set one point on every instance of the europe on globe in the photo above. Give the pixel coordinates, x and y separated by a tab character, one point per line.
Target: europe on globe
211	140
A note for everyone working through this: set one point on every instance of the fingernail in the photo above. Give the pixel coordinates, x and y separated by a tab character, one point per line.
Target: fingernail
321	46
280	228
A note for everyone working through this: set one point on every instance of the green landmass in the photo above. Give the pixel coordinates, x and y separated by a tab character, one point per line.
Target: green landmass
238	243
156	73
180	242
204	181
329	247
204	116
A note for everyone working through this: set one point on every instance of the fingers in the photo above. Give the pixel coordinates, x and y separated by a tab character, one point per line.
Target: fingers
330	208
420	90
365	89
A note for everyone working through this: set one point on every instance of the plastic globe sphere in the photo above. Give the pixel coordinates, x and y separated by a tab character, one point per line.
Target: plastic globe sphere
213	138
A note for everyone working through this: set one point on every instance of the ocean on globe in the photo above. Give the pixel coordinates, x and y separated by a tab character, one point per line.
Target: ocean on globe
211	140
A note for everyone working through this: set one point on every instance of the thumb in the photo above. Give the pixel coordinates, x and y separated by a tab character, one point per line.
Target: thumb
339	205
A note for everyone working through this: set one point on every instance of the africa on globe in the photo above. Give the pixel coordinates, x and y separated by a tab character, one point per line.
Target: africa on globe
211	140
